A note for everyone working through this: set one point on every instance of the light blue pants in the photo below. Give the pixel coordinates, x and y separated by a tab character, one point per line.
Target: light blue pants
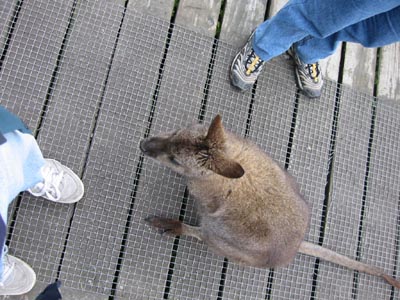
316	27
20	163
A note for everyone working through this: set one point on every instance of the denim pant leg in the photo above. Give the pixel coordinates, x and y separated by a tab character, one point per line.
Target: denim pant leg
21	161
300	19
382	29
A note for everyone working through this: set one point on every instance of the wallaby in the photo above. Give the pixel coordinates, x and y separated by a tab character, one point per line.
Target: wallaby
250	208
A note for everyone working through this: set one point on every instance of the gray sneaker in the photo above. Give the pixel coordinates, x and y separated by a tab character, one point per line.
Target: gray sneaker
246	66
308	76
60	184
18	278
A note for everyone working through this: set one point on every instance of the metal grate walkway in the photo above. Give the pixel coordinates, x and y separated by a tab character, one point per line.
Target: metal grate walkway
92	78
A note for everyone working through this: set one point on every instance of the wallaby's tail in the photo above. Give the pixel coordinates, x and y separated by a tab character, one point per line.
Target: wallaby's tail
331	256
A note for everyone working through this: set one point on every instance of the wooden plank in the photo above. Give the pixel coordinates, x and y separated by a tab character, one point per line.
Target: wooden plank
310	151
24	79
65	135
128	66
330	65
233	106
193	256
240	19
271	118
196	271
6	16
275	6
235	109
383	155
389	74
345	207
222	97
6	9
31	58
179	103
343	221
158	8
380	224
309	165
98	227
359	67
199	16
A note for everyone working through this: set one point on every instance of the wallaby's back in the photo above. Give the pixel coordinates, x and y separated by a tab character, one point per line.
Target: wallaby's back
255	216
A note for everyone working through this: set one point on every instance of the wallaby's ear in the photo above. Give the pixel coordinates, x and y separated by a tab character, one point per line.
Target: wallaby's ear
216	133
226	167
218	162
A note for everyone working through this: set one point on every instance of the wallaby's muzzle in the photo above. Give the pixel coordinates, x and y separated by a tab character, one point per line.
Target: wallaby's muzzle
153	147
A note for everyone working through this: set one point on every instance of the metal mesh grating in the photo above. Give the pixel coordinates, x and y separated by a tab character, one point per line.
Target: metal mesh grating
93	78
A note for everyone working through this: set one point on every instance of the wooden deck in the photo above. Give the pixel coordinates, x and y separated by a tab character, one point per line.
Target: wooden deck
92	78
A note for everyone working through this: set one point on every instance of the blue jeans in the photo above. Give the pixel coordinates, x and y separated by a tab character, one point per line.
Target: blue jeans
316	27
21	161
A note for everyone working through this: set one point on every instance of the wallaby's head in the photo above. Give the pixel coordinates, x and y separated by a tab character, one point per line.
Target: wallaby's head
194	151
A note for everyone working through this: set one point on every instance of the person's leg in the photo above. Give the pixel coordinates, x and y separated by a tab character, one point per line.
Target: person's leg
21	162
377	31
24	168
301	19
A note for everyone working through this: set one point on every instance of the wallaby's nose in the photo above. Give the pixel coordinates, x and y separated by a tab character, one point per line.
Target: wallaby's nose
152	146
141	146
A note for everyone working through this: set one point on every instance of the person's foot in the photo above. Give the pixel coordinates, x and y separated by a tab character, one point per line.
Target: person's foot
246	66
308	76
18	278
60	184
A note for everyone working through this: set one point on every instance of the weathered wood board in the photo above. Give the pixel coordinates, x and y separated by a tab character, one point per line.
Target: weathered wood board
65	135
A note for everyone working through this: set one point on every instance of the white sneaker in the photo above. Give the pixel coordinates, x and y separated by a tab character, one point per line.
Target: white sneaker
18	277
60	184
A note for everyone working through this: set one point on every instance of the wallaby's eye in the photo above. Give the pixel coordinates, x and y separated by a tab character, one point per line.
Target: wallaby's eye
173	160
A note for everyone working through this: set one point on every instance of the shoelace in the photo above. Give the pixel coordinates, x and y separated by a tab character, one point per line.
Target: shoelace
313	70
50	184
254	63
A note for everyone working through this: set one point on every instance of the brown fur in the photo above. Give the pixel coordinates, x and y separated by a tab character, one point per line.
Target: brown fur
251	209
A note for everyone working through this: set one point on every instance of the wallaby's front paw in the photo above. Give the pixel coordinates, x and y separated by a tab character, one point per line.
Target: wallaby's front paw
165	225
